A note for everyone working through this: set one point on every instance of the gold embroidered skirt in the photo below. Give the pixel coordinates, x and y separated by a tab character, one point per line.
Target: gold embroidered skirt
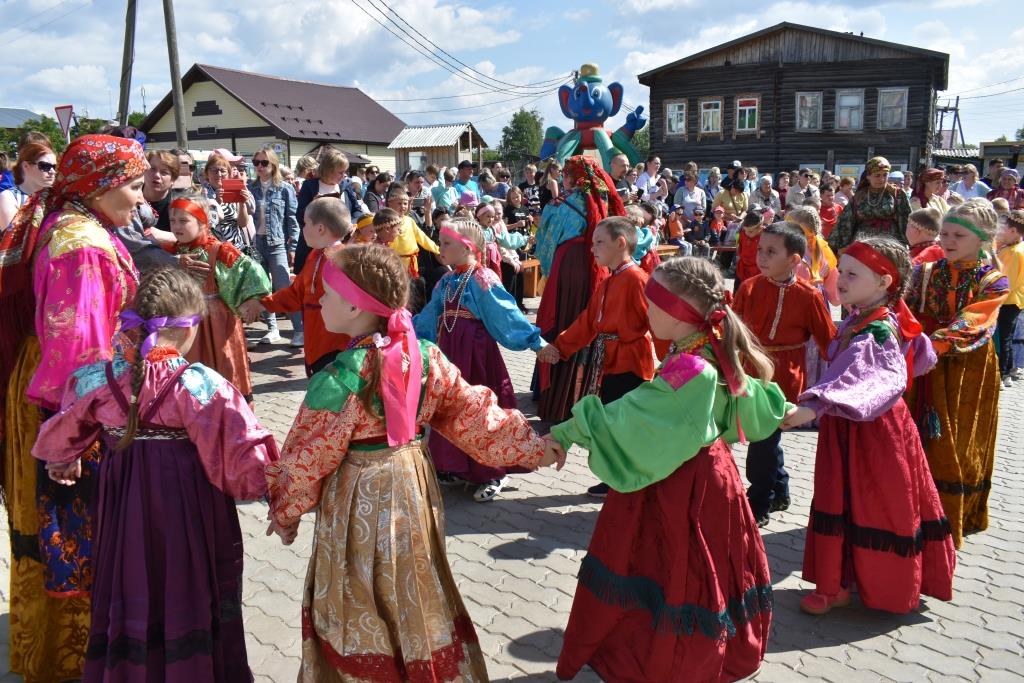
380	603
47	635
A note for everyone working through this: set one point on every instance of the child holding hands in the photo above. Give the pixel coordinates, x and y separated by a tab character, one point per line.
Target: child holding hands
233	287
180	445
380	601
675	584
326	226
468	315
876	521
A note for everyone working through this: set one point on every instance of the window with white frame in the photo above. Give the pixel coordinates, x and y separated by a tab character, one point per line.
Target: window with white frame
675	117
710	116
892	107
808	111
849	110
747	114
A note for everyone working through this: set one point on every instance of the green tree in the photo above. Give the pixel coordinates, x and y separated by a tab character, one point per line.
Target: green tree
45	125
1002	138
136	118
642	140
523	135
86	126
1019	135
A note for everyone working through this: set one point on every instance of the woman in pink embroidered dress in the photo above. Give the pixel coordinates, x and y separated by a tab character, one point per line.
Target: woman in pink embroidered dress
81	279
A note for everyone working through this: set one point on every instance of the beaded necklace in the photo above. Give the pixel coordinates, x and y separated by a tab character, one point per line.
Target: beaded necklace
691	343
363	340
455	297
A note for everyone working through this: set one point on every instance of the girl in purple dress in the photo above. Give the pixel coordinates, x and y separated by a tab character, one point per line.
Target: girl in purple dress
181	445
469	314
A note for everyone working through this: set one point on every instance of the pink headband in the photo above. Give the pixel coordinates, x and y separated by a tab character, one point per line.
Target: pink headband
484	208
401	396
452	234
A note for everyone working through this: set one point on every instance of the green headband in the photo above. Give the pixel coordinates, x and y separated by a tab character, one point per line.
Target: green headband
964	223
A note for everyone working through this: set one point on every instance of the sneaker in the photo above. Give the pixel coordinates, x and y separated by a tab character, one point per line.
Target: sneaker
599	491
298	340
818	603
780	503
1017	375
1007	382
489	490
762	520
272	337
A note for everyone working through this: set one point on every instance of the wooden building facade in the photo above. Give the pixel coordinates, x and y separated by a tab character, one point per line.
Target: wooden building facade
794	96
444	144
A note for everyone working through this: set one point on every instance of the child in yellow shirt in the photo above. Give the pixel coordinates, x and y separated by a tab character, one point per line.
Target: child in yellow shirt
1010	256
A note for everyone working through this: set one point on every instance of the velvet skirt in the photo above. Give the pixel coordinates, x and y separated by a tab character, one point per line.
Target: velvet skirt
876	522
478	358
167	595
675	585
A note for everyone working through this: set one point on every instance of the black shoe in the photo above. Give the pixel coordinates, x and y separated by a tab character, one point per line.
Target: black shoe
780	503
762	520
449	479
598	491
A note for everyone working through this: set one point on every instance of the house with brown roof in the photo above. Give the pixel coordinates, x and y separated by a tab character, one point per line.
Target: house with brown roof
244	111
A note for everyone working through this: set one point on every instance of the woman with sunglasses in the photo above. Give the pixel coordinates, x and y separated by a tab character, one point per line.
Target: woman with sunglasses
277	231
35	169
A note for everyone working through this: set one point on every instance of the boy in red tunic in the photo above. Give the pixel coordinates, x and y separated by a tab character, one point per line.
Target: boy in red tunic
828	211
614	324
783	312
923	236
746	247
326	226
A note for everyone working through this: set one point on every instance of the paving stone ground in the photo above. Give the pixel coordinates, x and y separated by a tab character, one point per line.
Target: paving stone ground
516	559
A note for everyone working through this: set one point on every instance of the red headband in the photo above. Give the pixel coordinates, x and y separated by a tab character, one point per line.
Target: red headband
874	260
191	207
710	324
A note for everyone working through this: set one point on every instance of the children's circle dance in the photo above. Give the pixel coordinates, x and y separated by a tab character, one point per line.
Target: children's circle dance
128	430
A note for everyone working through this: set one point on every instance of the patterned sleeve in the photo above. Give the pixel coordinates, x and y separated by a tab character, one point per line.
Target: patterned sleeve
77	298
315	447
244	279
974	324
71	432
470	417
842	234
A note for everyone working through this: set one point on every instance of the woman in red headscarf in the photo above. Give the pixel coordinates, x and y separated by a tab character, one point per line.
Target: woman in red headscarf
931	183
563	248
60	263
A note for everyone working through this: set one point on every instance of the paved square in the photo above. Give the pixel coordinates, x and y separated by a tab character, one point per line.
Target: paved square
516	559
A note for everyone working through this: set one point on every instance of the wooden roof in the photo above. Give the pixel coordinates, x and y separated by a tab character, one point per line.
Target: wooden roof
789	43
299	110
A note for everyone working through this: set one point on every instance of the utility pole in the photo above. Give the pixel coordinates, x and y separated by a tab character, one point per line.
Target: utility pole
177	96
127	61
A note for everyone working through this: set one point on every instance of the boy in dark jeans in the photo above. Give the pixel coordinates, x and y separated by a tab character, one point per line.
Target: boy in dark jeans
700	234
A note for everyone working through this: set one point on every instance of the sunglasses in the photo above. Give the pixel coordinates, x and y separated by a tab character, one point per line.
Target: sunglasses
46	166
261	163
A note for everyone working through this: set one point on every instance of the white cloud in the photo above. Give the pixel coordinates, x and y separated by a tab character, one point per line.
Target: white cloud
644	6
66	79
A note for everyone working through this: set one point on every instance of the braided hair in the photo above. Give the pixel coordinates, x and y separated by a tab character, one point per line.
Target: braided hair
164	292
699	281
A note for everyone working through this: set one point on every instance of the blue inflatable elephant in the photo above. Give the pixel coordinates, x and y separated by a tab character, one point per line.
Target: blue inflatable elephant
589	103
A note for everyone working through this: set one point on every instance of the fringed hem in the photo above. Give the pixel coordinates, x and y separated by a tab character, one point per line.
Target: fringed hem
883	540
640	592
958	488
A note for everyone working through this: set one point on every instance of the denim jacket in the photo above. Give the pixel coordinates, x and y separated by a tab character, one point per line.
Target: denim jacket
282	228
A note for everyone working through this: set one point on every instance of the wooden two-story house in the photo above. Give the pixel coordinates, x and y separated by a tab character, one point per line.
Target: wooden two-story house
793	96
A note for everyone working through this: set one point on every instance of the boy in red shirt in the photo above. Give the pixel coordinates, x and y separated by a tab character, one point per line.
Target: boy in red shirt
327	224
922	235
746	247
828	211
783	312
614	324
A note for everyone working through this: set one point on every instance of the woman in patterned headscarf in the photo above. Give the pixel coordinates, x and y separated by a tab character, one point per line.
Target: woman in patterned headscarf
61	264
878	208
563	248
931	183
1009	189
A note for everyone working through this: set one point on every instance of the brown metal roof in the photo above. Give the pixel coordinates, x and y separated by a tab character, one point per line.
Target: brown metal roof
298	109
789	26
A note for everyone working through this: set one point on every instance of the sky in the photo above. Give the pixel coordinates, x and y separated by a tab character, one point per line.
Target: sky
512	53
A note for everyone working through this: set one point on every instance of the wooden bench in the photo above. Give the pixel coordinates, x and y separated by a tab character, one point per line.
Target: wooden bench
533	283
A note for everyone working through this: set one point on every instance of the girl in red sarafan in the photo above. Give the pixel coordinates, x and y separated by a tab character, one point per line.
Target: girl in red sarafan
876	522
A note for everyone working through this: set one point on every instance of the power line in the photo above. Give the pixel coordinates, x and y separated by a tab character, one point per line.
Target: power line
34	16
419	49
990	85
474	106
440	97
31	30
508	111
995	94
459	61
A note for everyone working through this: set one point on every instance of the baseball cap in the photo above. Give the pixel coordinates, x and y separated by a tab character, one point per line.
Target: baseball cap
698	209
465	163
736	164
228	155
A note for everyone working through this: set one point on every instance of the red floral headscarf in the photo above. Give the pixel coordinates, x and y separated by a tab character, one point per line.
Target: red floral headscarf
598	188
